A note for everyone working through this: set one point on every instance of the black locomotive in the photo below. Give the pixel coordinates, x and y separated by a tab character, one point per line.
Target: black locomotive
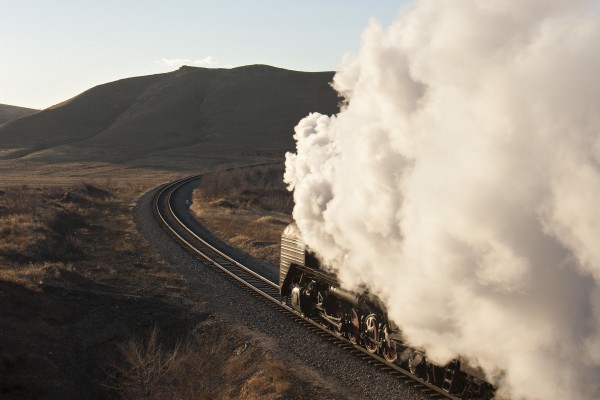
362	318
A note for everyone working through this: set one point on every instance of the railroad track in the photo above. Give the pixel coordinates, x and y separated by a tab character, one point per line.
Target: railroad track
259	286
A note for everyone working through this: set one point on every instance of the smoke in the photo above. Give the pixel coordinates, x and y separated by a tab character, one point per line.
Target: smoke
461	182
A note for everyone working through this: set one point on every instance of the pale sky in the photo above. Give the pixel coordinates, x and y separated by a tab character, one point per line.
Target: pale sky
51	51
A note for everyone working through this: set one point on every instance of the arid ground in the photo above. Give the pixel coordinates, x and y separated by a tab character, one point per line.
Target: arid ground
90	310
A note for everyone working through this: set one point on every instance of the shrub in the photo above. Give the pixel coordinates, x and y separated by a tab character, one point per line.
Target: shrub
249	188
150	369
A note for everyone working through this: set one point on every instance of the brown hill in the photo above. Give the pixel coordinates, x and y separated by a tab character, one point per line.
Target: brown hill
172	119
9	113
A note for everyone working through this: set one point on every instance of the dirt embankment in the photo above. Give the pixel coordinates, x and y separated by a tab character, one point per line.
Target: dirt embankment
89	310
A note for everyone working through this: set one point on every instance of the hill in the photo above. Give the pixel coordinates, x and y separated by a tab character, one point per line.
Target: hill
9	113
173	120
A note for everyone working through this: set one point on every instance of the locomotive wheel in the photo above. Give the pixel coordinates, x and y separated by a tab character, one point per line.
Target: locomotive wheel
371	334
338	312
390	347
418	365
354	329
425	372
390	353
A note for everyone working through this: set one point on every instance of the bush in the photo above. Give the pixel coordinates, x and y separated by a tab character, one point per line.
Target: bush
249	188
151	369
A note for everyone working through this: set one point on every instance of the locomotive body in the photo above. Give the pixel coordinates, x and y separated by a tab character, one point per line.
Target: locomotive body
362	318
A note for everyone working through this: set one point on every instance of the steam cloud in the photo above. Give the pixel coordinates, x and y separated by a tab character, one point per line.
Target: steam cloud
461	182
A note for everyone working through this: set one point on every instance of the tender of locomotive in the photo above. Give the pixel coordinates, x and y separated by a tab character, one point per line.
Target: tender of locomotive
362	318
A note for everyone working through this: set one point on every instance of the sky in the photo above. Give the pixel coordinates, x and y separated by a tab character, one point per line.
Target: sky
51	51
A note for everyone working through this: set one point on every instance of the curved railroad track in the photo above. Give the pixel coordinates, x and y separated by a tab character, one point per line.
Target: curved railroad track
259	286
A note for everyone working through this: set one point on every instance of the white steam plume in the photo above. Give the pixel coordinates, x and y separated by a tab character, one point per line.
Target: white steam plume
462	183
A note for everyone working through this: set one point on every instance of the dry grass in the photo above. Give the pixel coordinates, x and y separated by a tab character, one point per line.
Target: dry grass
215	361
258	188
149	370
77	282
45	231
40	233
248	208
32	275
68	258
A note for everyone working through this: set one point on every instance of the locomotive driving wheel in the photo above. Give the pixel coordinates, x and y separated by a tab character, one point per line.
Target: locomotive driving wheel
354	328
390	347
338	312
371	334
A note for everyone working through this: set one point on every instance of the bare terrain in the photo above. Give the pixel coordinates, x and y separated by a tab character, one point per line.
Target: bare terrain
90	310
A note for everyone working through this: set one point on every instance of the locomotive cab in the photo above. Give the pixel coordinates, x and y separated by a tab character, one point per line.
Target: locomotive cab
293	252
296	259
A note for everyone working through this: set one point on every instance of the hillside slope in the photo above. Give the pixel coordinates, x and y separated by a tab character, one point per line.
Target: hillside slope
159	120
9	113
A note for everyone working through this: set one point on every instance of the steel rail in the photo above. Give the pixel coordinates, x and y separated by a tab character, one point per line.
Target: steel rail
215	250
244	277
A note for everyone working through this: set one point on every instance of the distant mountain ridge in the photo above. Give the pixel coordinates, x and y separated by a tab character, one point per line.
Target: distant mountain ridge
9	113
181	113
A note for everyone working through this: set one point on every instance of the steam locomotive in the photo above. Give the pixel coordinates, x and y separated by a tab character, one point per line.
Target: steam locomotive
362	318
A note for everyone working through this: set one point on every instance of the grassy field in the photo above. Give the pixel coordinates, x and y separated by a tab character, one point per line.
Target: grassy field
247	208
90	310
